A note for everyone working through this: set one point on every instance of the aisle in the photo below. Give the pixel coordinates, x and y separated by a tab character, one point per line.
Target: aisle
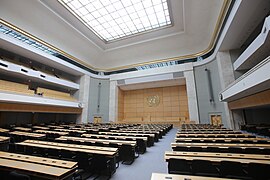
146	164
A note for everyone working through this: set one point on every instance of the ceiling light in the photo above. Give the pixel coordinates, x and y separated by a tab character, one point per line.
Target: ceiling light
115	19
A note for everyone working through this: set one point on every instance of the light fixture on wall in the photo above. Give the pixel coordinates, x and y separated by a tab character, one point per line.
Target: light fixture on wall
98	100
209	83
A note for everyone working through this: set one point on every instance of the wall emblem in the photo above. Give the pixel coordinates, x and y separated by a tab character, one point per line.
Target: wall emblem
153	101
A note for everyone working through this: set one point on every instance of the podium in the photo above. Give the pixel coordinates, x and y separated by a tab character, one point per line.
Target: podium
97	119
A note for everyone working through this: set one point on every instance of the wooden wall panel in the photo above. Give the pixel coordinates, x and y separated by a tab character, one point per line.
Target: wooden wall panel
173	104
16	107
259	99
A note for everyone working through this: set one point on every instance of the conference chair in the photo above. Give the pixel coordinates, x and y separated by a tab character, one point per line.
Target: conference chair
179	166
204	168
231	169
259	171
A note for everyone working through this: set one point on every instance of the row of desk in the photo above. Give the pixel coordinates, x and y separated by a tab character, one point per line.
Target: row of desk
98	151
215	151
39	167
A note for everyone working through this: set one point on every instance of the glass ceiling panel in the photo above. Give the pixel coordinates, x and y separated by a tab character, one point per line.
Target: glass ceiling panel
114	19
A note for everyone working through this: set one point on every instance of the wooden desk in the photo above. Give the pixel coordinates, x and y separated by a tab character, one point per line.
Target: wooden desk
159	176
205	129
54	127
221	145
4	139
150	137
175	159
157	135
105	141
127	134
101	155
40	127
114	137
73	147
231	156
37	166
51	132
22	129
4	130
209	132
4	143
226	135
38	160
71	130
226	140
27	134
126	148
141	141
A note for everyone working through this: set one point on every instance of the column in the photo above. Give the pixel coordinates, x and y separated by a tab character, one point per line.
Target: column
83	97
226	75
192	95
113	102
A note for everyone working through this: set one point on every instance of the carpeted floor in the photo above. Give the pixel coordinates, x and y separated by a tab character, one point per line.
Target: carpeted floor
152	161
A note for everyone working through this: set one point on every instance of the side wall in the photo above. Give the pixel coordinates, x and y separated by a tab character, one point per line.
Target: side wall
99	94
208	85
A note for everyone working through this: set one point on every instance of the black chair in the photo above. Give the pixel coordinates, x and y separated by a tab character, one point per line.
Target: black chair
12	147
53	153
42	152
234	141
196	141
220	141
213	149
195	149
259	171
29	150
68	155
20	148
100	144
141	146
18	176
180	148
127	154
204	168
179	166
231	169
253	151
84	160
235	150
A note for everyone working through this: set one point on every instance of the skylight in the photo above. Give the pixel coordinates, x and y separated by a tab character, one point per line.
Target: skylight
114	19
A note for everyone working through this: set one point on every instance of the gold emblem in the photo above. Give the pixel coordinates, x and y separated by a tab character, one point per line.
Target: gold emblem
153	101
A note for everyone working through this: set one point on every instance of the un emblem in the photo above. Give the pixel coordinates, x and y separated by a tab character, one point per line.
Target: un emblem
153	101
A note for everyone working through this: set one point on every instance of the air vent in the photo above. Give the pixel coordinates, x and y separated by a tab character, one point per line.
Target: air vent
178	74
121	82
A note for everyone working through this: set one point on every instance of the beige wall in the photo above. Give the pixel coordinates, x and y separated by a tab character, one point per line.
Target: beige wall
173	104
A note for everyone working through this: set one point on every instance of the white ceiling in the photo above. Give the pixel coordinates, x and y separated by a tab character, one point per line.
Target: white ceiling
155	84
249	15
194	24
